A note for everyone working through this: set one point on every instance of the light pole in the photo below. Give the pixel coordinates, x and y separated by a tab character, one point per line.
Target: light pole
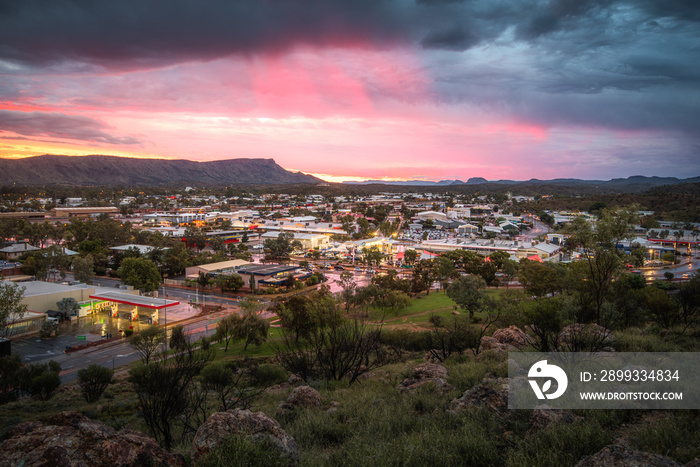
165	317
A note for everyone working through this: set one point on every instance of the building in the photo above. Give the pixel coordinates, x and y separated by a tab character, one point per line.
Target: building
16	250
60	213
433	215
308	241
223	267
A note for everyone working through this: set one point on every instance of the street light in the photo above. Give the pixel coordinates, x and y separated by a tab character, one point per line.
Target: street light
165	317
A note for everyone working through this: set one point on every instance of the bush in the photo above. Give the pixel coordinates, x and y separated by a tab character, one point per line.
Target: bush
93	381
128	332
269	375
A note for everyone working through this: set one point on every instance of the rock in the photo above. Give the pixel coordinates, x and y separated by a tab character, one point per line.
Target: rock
71	439
623	456
244	423
429	370
302	396
333	407
490	343
484	396
430	357
512	336
544	416
425	374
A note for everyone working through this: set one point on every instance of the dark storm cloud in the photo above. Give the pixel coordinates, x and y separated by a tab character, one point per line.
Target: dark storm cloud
58	125
149	33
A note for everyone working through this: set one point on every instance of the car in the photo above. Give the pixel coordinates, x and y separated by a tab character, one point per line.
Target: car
358	269
338	267
258	247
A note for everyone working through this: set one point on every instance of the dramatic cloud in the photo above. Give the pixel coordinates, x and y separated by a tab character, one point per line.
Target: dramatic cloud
452	88
58	126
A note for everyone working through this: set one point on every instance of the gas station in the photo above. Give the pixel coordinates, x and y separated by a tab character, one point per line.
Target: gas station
130	307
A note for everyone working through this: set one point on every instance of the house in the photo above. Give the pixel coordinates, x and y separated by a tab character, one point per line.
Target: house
16	250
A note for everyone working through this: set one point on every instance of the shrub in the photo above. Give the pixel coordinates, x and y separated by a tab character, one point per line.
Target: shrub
93	381
269	375
128	332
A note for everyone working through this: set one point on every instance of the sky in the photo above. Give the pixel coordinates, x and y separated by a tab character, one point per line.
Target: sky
360	89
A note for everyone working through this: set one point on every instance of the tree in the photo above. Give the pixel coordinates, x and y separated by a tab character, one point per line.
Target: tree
467	293
334	349
11	307
410	256
280	248
167	394
540	279
195	238
93	381
141	273
254	328
296	316
230	283
147	342
83	269
228	329
68	306
229	385
372	256
40	379
545	319
178	339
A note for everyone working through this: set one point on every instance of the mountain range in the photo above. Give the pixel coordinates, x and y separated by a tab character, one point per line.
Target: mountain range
633	181
127	171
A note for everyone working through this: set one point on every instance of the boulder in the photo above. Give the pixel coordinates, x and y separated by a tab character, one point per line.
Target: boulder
492	344
301	396
485	396
427	374
623	456
512	336
429	370
251	425
71	439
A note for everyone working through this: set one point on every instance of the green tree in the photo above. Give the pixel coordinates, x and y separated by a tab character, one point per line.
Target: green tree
372	256
93	381
540	279
410	256
167	395
40	379
141	273
467	292
83	269
230	283
68	306
147	342
12	308
228	329
254	328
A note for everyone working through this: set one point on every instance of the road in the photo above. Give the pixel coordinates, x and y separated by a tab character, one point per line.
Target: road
109	355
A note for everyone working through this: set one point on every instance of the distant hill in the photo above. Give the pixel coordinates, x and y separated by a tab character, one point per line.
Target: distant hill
636	183
126	171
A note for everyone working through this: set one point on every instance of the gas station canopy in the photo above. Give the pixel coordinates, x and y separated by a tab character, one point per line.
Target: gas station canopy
135	300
